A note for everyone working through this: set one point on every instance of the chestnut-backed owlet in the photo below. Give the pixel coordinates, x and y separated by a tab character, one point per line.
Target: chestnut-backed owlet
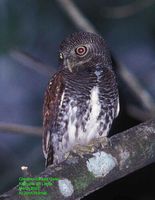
81	100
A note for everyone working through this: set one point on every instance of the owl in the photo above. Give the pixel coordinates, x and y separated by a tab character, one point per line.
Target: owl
81	100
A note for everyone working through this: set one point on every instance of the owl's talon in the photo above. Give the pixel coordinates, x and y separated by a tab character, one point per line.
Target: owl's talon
103	141
66	155
90	148
82	150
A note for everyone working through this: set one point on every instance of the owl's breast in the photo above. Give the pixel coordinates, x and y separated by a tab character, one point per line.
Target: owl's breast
80	118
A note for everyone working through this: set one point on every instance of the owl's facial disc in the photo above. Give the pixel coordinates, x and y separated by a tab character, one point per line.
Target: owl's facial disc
84	49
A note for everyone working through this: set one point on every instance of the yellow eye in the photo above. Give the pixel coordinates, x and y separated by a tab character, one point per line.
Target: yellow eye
61	56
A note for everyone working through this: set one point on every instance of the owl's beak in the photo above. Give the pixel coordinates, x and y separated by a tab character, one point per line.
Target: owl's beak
69	65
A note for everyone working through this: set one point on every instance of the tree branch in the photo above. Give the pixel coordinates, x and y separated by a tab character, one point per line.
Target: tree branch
125	153
143	95
29	61
20	129
139	114
118	12
76	16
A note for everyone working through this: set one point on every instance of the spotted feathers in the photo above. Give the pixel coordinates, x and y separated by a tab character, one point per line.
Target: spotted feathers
81	100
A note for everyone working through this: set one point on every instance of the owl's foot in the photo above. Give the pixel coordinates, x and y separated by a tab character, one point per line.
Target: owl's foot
91	147
99	143
66	155
102	141
82	150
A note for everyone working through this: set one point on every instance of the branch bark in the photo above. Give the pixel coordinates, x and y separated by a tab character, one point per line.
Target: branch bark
123	154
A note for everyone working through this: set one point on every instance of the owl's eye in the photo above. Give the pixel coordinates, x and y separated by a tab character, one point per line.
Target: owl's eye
61	56
81	51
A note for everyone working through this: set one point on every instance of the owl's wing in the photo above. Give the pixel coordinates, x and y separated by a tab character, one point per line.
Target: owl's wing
50	110
110	88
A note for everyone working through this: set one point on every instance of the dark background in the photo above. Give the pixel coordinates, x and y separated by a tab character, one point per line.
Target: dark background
37	28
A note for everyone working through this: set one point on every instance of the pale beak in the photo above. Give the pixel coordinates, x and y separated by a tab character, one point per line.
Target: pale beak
68	65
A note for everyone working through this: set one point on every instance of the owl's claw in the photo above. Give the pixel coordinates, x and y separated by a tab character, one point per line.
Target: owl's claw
97	142
103	141
91	147
66	155
82	150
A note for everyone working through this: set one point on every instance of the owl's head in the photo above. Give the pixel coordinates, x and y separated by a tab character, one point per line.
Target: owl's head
84	49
